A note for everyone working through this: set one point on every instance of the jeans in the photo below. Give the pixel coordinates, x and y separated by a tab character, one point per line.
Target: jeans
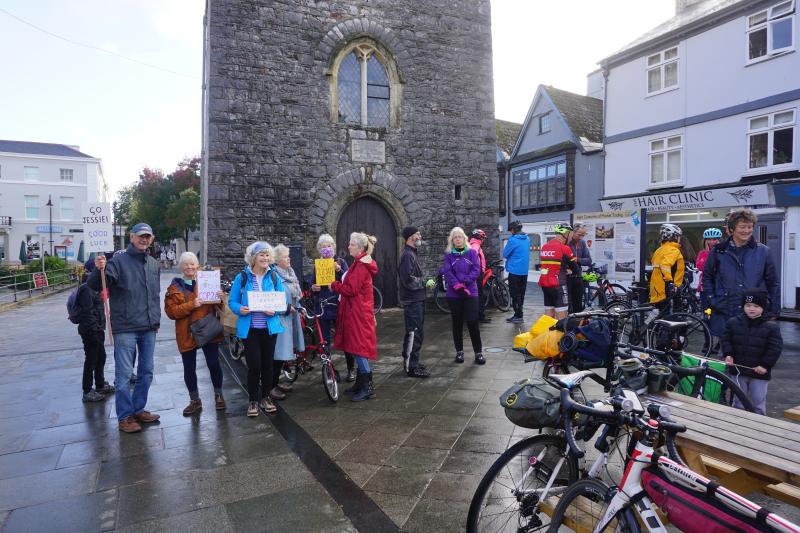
94	359
756	390
361	362
465	310
259	352
211	353
126	346
517	285
414	315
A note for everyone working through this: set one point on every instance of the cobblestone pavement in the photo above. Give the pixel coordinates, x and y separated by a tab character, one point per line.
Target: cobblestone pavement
417	451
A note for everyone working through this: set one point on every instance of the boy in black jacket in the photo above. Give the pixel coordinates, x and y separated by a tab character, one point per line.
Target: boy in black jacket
753	344
91	326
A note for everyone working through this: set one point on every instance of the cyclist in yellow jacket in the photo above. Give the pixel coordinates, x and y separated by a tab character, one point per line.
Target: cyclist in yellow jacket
668	267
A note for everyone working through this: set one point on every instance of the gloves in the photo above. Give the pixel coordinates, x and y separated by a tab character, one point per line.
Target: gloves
670	289
461	289
430	283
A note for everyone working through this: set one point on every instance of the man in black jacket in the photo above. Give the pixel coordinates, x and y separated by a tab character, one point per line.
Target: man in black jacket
412	298
91	327
134	285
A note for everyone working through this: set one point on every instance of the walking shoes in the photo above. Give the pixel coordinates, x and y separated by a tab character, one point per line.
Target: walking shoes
193	407
129	425
146	417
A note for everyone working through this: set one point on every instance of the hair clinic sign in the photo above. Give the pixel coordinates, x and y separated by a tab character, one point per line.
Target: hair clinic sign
742	196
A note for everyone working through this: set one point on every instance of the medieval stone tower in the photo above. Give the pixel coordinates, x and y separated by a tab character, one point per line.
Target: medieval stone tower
347	115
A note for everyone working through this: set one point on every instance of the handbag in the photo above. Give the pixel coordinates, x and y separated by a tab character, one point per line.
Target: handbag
205	329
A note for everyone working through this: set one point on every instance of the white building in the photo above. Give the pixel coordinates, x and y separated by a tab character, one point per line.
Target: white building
33	174
701	117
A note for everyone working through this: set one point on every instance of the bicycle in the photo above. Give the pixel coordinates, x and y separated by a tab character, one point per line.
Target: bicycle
440	293
330	377
604	291
591	505
495	289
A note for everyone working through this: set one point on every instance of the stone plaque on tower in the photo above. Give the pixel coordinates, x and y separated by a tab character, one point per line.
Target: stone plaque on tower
364	151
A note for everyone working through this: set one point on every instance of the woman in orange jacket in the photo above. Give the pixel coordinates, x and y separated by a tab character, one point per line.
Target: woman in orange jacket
184	307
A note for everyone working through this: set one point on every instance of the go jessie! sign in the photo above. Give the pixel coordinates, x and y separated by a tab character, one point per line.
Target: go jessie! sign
97	230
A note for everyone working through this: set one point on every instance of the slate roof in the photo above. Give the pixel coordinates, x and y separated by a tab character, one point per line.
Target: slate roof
507	133
33	148
584	114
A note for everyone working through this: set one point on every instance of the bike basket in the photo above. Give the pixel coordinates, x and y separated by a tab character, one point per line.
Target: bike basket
712	389
690	510
532	403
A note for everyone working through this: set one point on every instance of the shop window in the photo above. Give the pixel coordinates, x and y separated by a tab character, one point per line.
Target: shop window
770	140
665	161
662	71
770	32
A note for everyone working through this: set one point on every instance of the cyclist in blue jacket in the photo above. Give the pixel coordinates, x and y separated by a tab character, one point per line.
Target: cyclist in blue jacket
517	255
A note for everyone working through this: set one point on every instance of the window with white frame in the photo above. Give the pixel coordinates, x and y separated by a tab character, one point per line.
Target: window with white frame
31	173
665	160
67	208
67	175
662	71
770	140
771	31
31	207
544	123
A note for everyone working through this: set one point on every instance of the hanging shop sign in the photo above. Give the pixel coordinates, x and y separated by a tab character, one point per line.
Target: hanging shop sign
615	242
744	196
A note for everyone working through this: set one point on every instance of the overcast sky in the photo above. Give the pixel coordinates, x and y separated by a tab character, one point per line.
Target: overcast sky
131	115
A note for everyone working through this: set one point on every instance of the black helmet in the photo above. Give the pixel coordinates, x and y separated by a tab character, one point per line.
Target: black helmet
514	225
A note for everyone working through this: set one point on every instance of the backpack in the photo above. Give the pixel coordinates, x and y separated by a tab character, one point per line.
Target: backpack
73	309
598	341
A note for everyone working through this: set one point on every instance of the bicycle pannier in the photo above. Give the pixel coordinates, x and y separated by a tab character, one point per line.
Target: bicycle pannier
545	345
532	403
689	510
712	389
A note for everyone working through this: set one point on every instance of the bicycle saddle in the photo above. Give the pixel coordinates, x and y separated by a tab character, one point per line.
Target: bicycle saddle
672	326
570	381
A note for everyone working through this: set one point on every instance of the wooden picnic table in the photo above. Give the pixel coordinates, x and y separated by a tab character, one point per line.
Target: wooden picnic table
746	452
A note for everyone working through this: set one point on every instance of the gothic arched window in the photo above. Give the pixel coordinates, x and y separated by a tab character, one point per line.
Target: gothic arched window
363	86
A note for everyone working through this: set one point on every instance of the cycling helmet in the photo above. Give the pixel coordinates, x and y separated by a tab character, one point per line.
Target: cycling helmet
514	225
712	233
591	277
562	229
670	232
478	234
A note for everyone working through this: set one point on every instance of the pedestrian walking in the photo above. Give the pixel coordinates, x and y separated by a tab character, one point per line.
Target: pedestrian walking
735	264
355	320
752	345
134	285
91	327
182	304
290	340
171	258
411	291
517	255
668	267
476	243
557	264
575	283
461	270
711	237
258	330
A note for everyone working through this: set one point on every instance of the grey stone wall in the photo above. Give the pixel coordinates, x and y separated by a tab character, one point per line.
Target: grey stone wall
279	169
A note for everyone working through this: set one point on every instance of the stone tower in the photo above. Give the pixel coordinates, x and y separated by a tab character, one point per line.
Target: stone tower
336	116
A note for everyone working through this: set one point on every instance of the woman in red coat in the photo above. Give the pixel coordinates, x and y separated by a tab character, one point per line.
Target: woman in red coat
355	320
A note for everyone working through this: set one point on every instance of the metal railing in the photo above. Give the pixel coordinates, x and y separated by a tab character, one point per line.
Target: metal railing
22	285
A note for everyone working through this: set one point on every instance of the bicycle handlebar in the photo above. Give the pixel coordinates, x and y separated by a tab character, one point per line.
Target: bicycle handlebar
616	312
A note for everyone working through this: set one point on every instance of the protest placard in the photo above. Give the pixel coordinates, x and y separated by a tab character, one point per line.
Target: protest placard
266	301
208	285
325	271
97	230
40	280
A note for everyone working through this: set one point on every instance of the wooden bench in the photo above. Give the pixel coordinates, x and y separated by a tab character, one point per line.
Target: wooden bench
746	452
793	413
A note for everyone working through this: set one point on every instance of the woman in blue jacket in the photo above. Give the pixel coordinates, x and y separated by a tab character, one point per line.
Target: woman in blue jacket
257	330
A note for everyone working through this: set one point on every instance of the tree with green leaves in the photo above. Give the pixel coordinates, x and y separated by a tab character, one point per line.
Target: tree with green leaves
184	214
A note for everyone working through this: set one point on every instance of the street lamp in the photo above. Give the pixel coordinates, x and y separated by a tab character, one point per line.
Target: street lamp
50	205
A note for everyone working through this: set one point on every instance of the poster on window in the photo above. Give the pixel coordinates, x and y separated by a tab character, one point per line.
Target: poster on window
615	242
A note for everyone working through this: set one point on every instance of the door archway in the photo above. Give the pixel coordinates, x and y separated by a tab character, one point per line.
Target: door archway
368	215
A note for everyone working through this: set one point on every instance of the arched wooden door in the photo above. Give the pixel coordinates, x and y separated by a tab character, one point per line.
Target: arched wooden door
367	215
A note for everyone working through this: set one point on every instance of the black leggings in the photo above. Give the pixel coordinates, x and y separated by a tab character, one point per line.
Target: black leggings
259	352
465	310
94	359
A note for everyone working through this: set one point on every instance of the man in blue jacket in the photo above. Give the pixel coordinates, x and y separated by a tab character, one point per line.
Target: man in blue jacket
134	285
733	266
517	255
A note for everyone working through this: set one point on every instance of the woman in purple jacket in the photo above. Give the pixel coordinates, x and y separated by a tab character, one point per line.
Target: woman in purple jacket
461	268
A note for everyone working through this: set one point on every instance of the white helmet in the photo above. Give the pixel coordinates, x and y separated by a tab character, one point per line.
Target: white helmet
670	232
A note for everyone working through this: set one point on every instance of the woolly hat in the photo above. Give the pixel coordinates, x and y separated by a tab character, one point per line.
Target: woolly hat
408	231
755	296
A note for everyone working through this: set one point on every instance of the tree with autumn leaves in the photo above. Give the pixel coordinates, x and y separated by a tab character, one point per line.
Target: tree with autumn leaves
170	204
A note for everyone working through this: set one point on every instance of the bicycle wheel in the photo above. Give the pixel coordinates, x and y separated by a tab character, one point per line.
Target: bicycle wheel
507	498
556	365
329	381
584	504
235	346
694	338
611	292
713	386
289	371
377	299
440	298
501	296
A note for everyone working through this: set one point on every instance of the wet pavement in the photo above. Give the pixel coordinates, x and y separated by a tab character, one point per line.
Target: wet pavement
408	460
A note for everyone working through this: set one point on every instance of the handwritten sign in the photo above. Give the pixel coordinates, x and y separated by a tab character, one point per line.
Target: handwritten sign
40	280
99	235
325	271
266	301
208	285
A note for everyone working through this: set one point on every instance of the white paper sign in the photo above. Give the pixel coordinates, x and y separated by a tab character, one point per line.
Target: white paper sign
266	301
97	230
208	285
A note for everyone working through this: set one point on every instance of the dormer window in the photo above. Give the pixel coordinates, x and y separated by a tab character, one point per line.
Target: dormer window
662	71
770	32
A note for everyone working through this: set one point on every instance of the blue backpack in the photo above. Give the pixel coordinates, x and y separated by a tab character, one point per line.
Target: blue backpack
73	309
598	341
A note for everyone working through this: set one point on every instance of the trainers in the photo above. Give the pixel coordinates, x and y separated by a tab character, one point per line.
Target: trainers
107	388
146	417
418	372
277	394
285	387
193	407
517	320
129	425
252	409
93	396
219	402
267	405
479	359
511	318
459	357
